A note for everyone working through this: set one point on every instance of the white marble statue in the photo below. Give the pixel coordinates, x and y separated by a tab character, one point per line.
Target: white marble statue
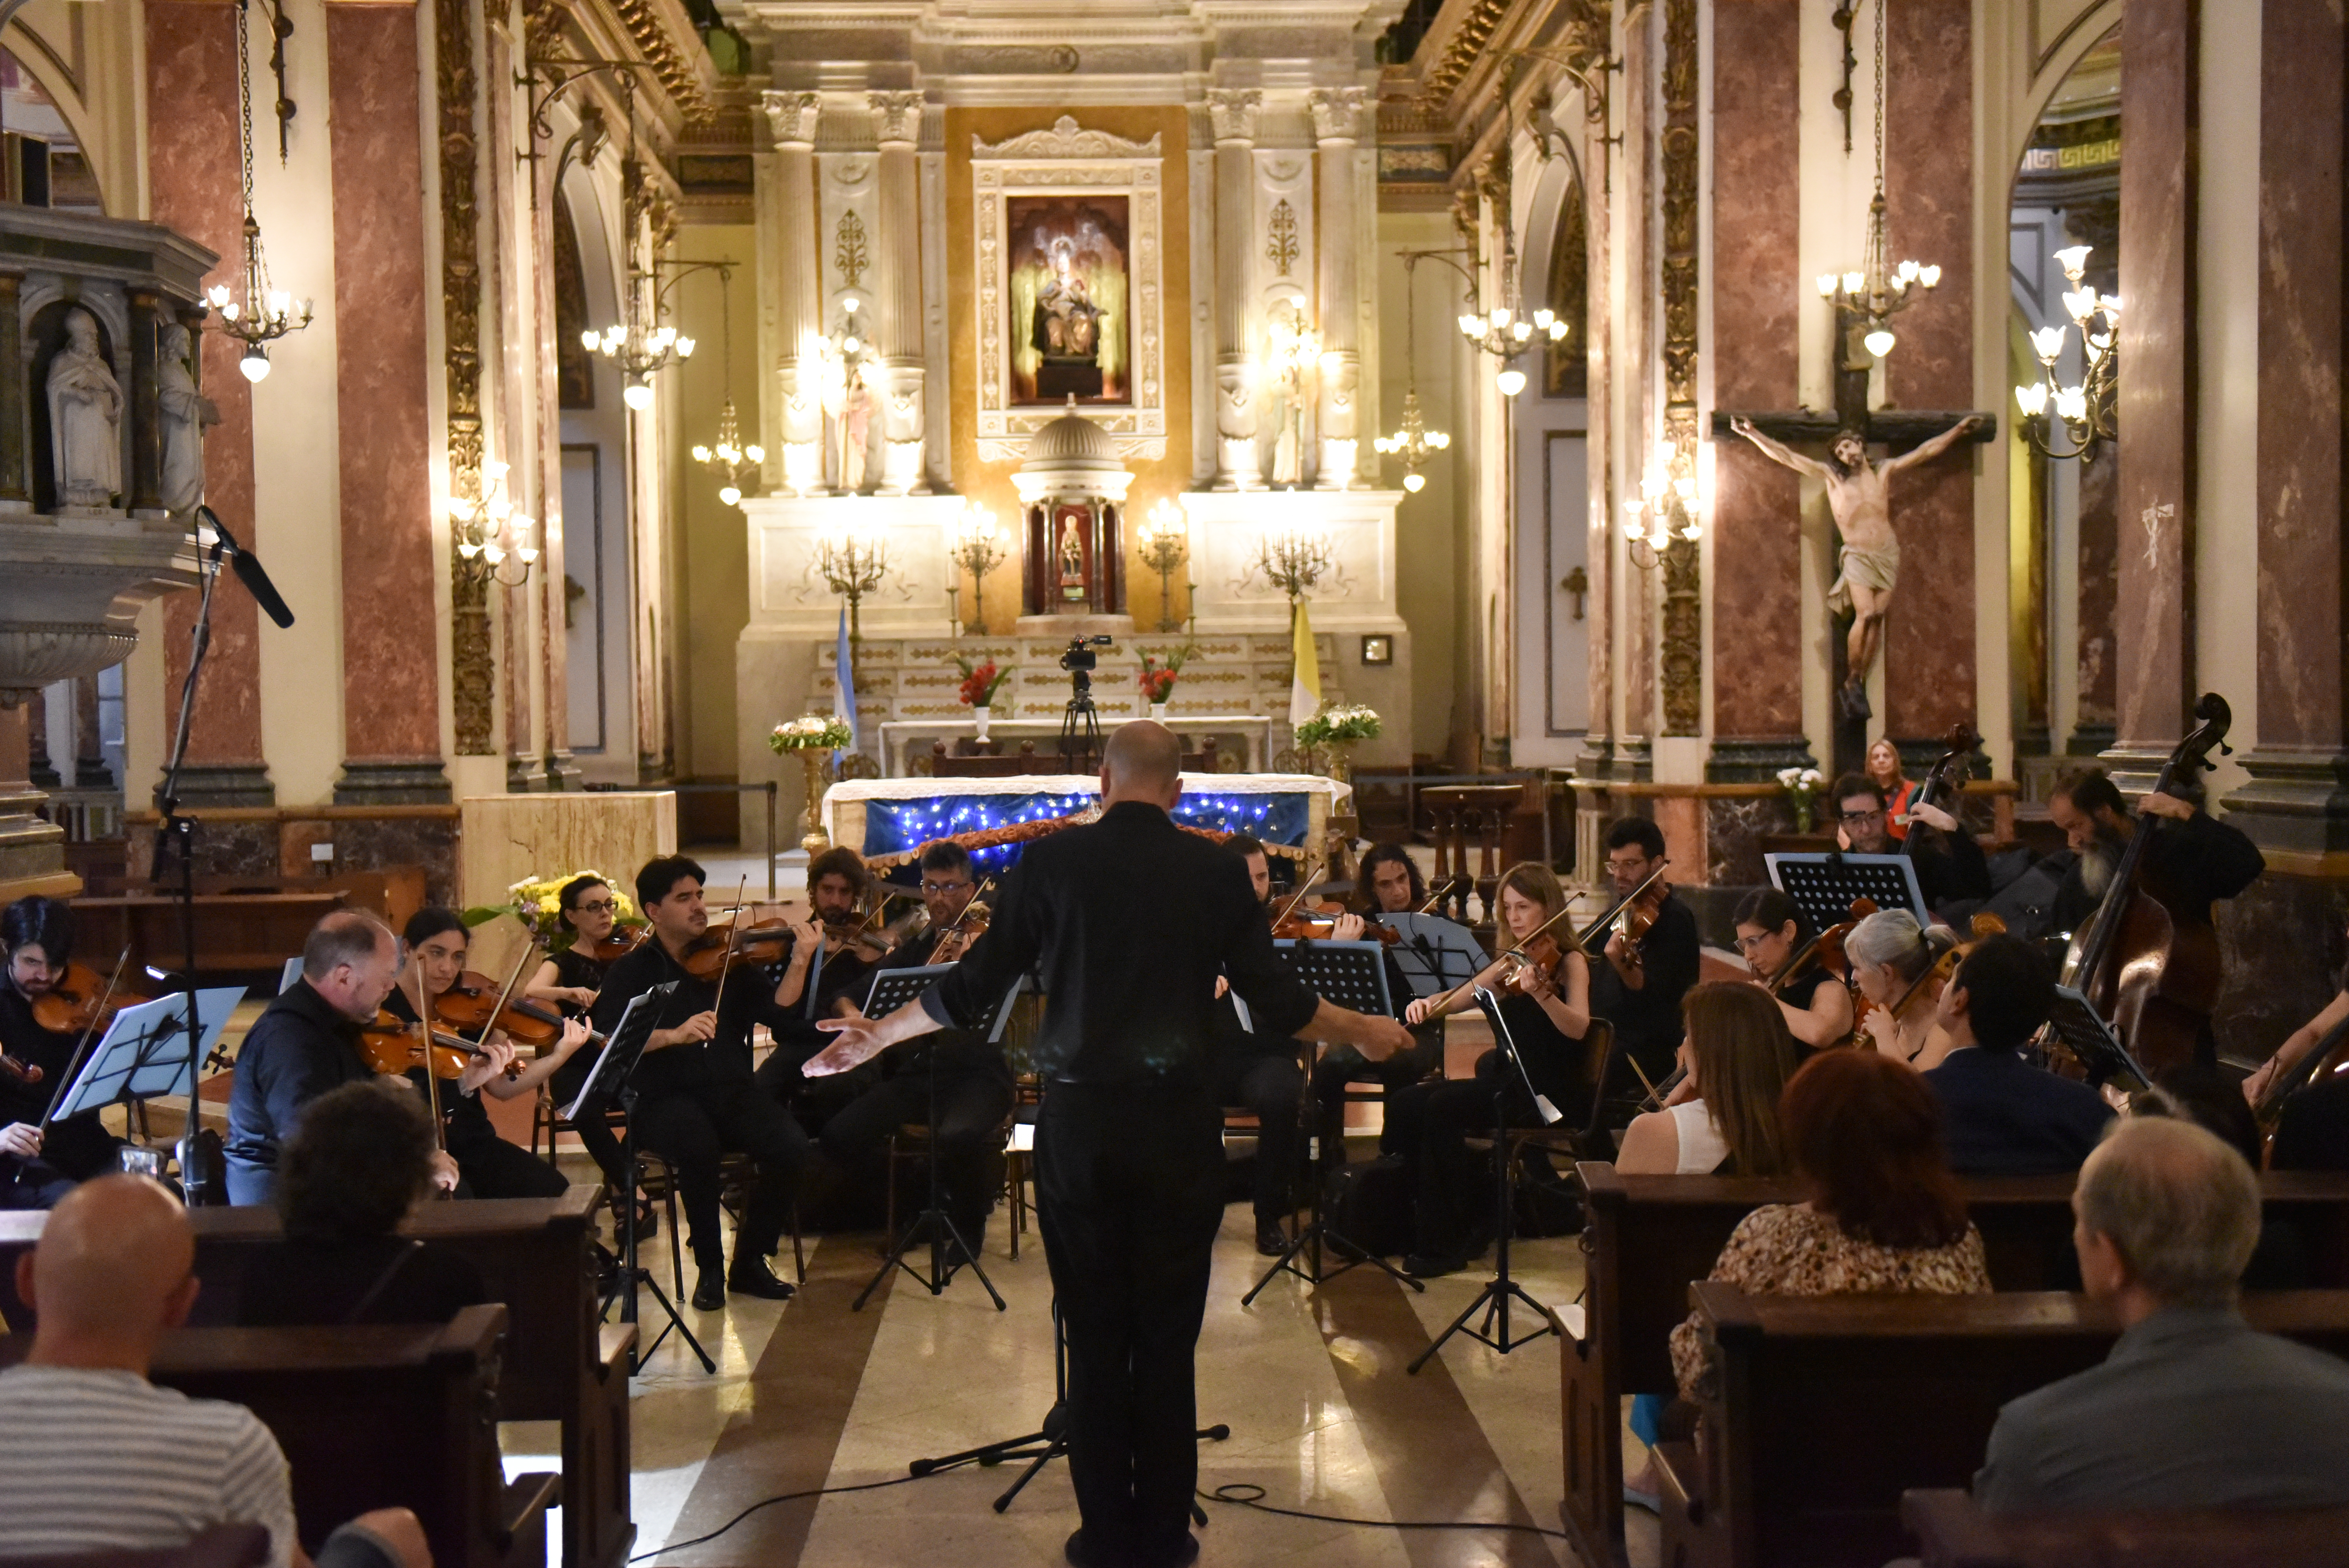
84	419
185	413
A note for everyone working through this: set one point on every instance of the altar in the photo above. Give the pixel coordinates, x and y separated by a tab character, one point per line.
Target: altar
904	739
887	820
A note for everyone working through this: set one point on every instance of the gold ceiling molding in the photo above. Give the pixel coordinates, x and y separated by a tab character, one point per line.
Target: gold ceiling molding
1460	51
669	64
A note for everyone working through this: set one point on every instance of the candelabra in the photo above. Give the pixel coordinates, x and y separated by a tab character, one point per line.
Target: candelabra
491	533
1294	557
854	561
735	464
2085	408
978	548
1879	291
265	314
1665	508
1165	544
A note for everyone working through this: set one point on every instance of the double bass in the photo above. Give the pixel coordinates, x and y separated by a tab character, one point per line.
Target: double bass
1946	775
2149	961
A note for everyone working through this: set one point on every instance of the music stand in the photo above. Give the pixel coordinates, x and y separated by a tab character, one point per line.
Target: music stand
1352	974
1824	887
614	1074
1435	954
1495	1297
891	989
140	1056
2076	1025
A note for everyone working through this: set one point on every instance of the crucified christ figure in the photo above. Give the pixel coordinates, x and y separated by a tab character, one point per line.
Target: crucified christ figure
1859	496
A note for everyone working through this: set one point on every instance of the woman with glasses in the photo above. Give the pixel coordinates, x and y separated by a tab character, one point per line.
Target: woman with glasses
1770	932
589	910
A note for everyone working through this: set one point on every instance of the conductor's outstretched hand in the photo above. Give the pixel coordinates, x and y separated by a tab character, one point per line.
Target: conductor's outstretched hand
856	1039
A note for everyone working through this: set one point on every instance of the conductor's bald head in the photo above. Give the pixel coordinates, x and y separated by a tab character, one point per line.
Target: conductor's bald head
1144	762
111	1271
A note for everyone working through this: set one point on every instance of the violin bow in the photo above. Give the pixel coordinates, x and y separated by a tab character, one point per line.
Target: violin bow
431	1082
1516	950
529	949
1604	920
1297	897
733	932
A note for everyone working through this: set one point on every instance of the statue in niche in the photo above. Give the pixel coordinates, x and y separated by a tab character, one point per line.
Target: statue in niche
185	414
1073	559
84	419
850	403
1859	500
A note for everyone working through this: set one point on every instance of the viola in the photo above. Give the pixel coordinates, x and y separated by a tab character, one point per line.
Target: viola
81	1002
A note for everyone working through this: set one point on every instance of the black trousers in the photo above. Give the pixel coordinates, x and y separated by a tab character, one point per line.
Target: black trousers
1430	1125
1268	1084
593	1125
492	1168
1128	1194
693	1127
1343	1065
971	1108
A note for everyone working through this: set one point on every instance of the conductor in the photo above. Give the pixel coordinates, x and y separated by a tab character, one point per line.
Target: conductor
1129	1162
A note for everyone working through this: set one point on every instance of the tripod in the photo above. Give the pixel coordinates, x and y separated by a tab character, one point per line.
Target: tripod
1081	735
1317	1232
633	1273
1048	1442
941	1228
1495	1296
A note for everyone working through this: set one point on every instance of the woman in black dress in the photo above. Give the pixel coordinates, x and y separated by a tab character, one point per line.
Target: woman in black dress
1817	1006
571	978
1547	1011
38	1168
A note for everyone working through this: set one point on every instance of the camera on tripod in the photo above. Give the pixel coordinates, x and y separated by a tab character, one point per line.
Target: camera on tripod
1079	654
1080	725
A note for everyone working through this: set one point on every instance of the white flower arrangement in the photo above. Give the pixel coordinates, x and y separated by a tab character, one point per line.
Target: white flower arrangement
1802	786
1344	724
537	902
810	732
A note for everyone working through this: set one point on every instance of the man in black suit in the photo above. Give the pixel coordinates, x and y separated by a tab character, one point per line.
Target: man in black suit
1129	1156
1640	986
2002	1115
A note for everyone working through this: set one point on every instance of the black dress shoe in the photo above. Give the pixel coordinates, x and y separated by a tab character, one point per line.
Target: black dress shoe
752	1276
1428	1266
1272	1241
1182	1554
1084	1552
709	1292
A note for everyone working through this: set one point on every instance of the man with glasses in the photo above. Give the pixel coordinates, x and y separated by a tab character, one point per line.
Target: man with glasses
1950	863
973	1086
1639	987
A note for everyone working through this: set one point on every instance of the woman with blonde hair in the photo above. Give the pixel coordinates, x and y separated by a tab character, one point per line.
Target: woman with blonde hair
1547	1008
1889	954
1725	1118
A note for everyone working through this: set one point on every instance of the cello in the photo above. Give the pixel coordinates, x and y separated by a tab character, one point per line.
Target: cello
2149	963
1947	771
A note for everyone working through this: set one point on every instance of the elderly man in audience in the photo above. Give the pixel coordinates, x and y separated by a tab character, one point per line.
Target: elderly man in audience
2003	1116
2193	1408
94	1457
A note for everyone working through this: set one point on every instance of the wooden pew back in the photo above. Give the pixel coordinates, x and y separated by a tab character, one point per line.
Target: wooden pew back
1952	1532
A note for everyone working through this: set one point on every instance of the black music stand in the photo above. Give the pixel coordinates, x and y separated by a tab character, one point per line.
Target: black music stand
2076	1025
1435	954
1825	886
1352	974
1498	1290
614	1074
891	989
139	1057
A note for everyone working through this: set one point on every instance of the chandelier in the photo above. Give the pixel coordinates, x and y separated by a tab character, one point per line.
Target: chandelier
643	346
1880	290
1294	557
1414	442
2085	408
1165	544
263	314
1505	331
1665	510
734	462
491	533
977	546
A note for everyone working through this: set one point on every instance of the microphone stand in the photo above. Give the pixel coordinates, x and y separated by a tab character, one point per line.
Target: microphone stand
199	1181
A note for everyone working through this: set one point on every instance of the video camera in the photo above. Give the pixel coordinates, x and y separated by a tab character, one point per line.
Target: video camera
1079	654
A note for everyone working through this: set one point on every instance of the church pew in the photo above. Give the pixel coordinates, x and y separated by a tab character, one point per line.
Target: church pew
561	1363
1823	1410
1952	1532
1646	1237
376	1417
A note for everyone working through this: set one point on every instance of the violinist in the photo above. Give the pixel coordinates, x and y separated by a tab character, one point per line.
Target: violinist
1883	770
972	1092
1388	883
306	1043
696	1096
1889	956
1545	991
38	1168
1640	987
490	1167
1950	863
2196	858
1260	1072
830	962
2312	1128
588	909
1770	932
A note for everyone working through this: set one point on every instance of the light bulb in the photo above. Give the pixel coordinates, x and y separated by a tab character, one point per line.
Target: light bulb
230	311
468	548
2109	303
2080	303
1827	286
495	469
495	553
849	345
1438	440
1906	272
2031	399
1500	315
1384	444
2072	259
701	454
1632	531
851	304
756	454
529	553
280	302
1665	453
1929	277
1853	282
1543	317
1521	330
638	396
1693	531
218	295
2047	342
1556	331
2072	404
1684	486
685	349
729	494
1880	341
1415	482
460	509
1511	382
255	364
1468	327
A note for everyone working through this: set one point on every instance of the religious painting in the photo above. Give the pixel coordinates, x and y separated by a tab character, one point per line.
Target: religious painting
1069	321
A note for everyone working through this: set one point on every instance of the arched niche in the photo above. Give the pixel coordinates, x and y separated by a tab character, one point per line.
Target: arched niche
39	105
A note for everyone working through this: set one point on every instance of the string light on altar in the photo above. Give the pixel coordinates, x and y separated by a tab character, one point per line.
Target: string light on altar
1165	544
491	533
262	314
2085	408
976	546
853	560
1879	290
1668	508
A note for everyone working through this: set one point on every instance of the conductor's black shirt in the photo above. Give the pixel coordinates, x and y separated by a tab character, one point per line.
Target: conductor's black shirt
1127	922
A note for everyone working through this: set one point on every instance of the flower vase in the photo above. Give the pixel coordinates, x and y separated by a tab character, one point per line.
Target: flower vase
1341	762
815	841
1158	711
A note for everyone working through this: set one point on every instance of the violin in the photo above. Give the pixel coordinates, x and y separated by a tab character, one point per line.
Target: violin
1929	986
474	1003
1539	953
624	940
390	1045
1636	910
81	1002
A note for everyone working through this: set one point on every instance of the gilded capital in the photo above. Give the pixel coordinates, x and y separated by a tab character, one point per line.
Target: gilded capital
793	115
1235	111
898	117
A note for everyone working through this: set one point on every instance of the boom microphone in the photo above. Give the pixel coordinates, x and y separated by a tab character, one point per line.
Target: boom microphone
248	571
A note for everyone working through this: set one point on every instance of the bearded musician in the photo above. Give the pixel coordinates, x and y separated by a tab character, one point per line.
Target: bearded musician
829	964
37	1168
2199	859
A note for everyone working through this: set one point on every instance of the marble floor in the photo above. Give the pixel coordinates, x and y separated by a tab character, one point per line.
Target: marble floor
810	1395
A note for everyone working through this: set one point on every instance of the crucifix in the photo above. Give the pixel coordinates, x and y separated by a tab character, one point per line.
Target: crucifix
1859	496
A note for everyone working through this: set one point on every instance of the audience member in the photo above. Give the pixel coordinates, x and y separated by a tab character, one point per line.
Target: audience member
2208	1097
1723	1118
361	1160
2003	1116
2192	1409
94	1457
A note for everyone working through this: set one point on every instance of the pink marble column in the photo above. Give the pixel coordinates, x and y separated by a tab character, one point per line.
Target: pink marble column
2153	614
2299	794
1756	589
1928	653
391	676
192	179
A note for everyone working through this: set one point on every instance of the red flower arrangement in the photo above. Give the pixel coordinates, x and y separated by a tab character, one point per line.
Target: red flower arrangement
980	682
1158	680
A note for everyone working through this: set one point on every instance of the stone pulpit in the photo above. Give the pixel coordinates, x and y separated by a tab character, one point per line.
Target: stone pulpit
1072	488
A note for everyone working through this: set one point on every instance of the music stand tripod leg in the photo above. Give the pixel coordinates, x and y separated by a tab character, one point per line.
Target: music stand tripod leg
941	1230
633	1273
1317	1232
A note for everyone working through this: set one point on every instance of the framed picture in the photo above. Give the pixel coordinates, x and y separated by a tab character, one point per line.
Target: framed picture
1070	328
1378	649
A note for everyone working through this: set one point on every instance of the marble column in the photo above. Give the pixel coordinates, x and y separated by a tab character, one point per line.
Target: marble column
191	180
1929	648
15	476
2297	796
391	672
1235	113
32	850
1758	300
1336	131
40	766
90	770
897	118
786	201
2153	617
146	427
1598	198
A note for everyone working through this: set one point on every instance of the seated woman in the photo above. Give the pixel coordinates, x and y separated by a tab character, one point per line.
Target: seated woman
1723	1118
1889	955
1770	932
1885	1213
361	1159
1547	1008
38	1168
437	942
589	908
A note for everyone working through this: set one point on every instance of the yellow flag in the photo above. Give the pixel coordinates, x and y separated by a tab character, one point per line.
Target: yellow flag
1305	686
